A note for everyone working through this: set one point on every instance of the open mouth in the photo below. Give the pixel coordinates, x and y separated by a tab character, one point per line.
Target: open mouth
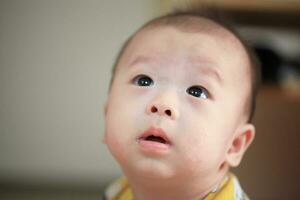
155	139
155	135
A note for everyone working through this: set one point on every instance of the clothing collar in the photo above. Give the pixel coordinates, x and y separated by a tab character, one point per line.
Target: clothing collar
228	189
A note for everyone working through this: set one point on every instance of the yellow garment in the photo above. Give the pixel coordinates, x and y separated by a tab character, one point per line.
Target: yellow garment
229	189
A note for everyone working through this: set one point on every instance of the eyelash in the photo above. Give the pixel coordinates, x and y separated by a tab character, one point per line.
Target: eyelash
195	90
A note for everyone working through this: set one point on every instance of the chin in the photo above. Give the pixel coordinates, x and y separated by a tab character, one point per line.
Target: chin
150	171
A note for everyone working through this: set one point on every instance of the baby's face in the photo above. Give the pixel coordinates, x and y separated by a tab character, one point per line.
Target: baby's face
176	101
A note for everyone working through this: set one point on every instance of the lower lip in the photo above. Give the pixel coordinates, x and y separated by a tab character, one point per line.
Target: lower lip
153	147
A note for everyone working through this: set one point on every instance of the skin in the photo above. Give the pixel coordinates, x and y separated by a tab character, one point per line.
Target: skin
207	135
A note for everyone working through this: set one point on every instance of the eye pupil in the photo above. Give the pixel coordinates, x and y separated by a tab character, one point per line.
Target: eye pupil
197	91
143	80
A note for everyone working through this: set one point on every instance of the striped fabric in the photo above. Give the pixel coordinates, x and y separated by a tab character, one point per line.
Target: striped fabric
229	189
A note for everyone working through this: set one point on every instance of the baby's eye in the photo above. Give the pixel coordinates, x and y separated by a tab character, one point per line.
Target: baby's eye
143	80
198	91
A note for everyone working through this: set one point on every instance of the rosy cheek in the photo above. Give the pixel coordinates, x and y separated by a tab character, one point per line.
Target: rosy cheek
116	146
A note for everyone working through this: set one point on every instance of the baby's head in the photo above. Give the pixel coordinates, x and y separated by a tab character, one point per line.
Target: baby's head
181	101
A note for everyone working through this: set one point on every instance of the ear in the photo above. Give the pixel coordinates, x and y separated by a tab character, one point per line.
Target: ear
241	141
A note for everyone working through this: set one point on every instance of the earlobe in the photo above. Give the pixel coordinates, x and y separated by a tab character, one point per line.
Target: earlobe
240	143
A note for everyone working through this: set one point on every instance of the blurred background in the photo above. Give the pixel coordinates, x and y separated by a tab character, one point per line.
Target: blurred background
55	66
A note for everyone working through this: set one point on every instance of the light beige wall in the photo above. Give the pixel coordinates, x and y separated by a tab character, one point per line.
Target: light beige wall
55	62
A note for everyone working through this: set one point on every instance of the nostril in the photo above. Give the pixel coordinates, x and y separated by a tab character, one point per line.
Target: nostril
153	109
168	112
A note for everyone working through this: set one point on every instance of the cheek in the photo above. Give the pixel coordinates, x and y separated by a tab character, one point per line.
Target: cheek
204	155
127	108
117	127
123	122
203	142
113	140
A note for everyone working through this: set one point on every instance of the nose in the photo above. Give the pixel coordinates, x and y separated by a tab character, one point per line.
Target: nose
163	108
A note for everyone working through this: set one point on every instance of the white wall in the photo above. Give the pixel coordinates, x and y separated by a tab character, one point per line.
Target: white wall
55	62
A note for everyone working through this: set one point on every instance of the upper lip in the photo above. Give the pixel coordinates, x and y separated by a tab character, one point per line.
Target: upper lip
157	132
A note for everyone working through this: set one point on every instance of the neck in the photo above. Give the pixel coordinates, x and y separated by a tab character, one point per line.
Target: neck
171	189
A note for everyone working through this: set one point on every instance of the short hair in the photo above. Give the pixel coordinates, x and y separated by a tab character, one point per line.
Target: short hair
187	21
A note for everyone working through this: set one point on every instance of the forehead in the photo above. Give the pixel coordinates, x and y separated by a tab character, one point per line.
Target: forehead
212	46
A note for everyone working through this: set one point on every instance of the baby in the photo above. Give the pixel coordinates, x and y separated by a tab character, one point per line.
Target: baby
179	110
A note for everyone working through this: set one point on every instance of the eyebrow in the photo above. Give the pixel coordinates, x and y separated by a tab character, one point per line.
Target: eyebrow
142	60
206	65
211	72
